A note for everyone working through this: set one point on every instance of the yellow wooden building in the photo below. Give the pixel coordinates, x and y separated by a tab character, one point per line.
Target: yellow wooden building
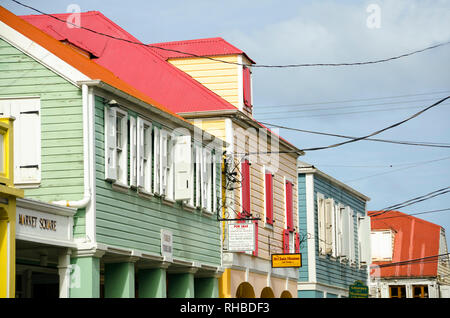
262	164
8	195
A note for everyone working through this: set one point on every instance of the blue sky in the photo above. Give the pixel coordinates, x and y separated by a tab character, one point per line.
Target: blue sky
274	32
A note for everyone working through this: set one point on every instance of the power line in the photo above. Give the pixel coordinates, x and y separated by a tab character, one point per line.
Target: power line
342	113
241	64
411	261
349	100
418	213
277	111
381	130
411	202
396	170
411	143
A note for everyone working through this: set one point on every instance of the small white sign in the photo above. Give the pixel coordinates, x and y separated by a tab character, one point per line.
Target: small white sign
44	225
241	237
167	245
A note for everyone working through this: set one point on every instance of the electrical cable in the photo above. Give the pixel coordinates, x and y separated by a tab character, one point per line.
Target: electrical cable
338	114
348	100
235	63
411	261
412	214
277	111
381	130
411	143
410	202
396	170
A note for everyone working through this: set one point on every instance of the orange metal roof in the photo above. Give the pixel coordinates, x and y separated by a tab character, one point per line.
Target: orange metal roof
414	238
75	59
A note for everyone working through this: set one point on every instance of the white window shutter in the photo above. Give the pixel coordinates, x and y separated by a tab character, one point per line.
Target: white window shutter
27	138
147	149
351	236
110	144
321	223
329	230
183	163
164	162
364	240
338	224
140	153
345	252
198	174
133	152
214	181
157	161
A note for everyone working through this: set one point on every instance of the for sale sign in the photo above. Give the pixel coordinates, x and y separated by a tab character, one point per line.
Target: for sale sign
241	237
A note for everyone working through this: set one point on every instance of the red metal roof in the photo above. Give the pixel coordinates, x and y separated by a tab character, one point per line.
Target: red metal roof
143	67
198	47
414	238
135	64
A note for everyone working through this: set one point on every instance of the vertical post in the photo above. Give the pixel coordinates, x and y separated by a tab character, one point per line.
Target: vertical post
181	285
225	284
206	287
85	277
119	280
152	282
64	273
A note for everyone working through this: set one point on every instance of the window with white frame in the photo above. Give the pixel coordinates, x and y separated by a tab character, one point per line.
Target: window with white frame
144	155
116	145
204	194
27	139
336	231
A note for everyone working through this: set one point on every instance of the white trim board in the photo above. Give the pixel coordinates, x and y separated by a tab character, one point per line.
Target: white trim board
41	55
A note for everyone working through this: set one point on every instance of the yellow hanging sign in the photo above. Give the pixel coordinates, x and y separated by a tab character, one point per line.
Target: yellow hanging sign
286	260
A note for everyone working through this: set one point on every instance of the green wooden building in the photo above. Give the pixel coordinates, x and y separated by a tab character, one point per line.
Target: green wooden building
143	183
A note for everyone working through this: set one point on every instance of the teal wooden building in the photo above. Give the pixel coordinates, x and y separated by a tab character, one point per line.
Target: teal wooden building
335	235
143	183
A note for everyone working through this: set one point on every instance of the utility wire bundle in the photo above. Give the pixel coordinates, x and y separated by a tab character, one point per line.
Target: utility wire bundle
411	201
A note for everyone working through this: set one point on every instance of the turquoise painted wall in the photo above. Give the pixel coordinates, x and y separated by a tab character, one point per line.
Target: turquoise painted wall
330	271
303	271
61	125
130	221
310	294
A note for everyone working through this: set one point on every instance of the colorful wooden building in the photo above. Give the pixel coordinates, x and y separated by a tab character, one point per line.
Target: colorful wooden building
118	165
8	197
259	178
409	257
335	235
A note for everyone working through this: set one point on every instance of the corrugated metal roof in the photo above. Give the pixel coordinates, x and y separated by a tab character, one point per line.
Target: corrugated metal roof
414	238
135	64
75	59
199	47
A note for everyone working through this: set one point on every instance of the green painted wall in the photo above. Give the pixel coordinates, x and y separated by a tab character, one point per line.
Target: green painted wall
130	221
61	124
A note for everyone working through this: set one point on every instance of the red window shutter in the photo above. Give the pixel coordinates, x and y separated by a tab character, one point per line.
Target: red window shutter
297	243
269	198
247	86
285	241
245	184
289	207
255	252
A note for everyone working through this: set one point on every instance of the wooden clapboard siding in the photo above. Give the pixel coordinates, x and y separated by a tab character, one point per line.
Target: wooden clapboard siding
61	123
128	220
221	78
284	166
302	224
328	270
